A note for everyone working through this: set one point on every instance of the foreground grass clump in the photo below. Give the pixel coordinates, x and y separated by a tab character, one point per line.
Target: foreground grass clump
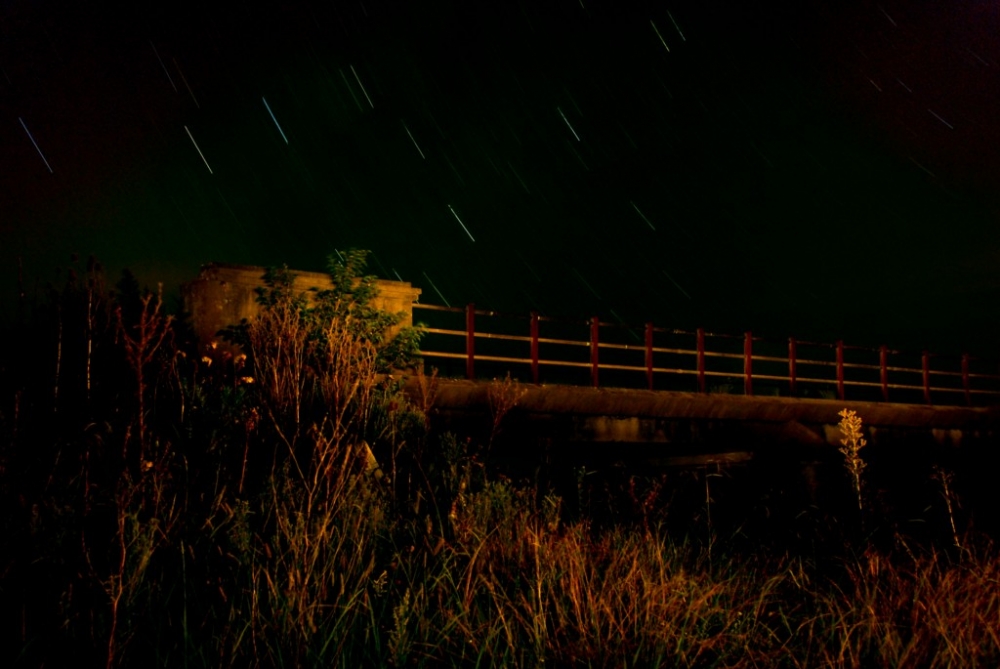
164	505
517	588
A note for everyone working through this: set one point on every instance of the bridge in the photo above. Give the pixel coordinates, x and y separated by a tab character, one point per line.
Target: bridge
594	382
588	381
539	350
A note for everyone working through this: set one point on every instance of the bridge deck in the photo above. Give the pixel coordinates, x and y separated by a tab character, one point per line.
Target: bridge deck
641	416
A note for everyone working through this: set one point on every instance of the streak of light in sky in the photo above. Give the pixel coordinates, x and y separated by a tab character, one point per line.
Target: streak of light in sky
677	285
887	16
414	141
735	119
577	154
378	262
663	41
198	149
524	185
534	303
165	71
568	123
461	223
443	299
621	321
186	84
278	125
452	166
950	126
350	89
584	282
530	268
362	86
643	215
35	143
674	21
230	210
976	56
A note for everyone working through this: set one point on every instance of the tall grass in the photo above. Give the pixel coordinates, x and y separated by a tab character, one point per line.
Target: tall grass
247	529
851	444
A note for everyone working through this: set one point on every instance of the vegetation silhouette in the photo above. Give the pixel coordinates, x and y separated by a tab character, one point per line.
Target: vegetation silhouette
289	505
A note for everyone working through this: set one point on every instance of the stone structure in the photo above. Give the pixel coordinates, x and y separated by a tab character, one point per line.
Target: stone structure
224	294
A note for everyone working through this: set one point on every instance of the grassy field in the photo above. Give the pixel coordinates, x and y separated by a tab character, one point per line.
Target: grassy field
169	506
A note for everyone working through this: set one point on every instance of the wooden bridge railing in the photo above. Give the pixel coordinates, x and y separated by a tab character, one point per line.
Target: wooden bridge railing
699	360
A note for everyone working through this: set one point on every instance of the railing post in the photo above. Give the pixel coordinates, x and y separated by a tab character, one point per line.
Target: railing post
840	370
791	367
470	341
926	364
701	360
747	360
965	379
649	355
883	364
594	326
534	347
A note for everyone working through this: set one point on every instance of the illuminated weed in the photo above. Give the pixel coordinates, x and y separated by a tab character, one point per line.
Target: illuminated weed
851	444
504	394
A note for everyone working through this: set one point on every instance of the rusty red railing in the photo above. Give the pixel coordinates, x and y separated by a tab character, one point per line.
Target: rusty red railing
507	342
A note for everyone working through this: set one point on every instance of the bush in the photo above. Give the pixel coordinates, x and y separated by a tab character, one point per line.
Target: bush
161	509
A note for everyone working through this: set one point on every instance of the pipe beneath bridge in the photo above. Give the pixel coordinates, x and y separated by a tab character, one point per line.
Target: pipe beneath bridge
611	415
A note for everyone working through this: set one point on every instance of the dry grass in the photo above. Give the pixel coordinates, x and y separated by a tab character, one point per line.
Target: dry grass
851	444
503	395
219	548
516	588
929	613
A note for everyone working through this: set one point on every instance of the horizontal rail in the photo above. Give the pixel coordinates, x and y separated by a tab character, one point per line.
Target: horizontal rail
969	383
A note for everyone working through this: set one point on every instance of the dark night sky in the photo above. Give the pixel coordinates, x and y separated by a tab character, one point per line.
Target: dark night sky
814	168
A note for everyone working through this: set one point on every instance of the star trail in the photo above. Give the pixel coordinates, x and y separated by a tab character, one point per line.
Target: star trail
812	168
